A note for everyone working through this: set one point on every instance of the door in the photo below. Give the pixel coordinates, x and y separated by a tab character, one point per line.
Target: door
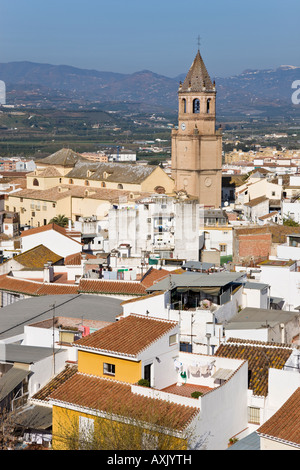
147	373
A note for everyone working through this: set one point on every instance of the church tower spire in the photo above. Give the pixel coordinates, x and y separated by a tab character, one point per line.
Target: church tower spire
196	145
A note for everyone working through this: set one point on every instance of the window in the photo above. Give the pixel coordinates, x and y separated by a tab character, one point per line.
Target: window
120	186
172	339
86	431
273	193
109	369
184	105
149	441
223	248
253	415
35	182
196	106
87	183
70	181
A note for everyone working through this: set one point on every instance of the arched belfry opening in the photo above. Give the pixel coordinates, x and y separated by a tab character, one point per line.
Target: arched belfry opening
208	103
196	106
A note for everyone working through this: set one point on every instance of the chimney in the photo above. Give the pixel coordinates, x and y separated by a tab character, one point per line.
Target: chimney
48	272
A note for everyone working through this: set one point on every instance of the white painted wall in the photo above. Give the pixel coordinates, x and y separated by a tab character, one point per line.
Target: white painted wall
43	371
224	410
43	337
255	298
161	354
283	283
55	241
282	384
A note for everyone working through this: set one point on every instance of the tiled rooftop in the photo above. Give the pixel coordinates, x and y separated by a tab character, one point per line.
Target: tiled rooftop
186	390
75	259
54	383
153	275
37	257
116	397
34	288
284	425
60	285
128	336
101	286
260	356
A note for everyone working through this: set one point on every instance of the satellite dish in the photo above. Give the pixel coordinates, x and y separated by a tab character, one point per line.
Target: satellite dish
226	203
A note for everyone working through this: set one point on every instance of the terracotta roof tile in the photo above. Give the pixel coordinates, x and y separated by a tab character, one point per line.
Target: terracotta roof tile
115	397
43	228
100	286
43	393
284	425
260	356
153	275
256	201
34	288
76	258
129	336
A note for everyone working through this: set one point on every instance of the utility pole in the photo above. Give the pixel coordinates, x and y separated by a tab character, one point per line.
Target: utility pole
53	339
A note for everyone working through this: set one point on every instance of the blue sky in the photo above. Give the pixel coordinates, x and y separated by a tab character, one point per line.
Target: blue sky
127	36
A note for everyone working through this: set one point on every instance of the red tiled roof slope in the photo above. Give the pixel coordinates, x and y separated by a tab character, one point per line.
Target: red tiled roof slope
128	336
111	287
12	284
285	423
43	393
115	397
153	275
76	258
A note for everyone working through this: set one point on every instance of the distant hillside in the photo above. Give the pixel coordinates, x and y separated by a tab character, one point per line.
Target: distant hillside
253	92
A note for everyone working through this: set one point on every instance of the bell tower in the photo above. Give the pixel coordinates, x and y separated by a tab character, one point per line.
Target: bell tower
196	144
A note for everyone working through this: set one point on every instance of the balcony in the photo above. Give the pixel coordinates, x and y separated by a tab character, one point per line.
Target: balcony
194	373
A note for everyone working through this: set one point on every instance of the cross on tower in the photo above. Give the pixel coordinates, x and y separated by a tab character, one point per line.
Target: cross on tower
199	42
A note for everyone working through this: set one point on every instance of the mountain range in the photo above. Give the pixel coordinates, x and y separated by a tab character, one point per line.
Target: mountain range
265	93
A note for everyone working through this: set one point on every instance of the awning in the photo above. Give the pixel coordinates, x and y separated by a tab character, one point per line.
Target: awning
11	380
223	374
34	417
206	290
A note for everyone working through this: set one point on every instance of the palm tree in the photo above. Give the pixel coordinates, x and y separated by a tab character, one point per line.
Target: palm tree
60	220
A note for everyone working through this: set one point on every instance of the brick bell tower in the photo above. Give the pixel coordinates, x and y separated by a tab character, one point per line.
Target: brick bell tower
196	144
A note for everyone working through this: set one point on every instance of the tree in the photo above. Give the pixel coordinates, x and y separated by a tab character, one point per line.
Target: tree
8	439
60	220
153	431
289	221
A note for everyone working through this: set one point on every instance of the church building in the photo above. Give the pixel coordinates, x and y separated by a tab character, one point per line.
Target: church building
196	144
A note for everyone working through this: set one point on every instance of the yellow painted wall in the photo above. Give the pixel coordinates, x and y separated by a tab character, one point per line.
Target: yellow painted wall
158	178
65	433
125	370
88	206
44	183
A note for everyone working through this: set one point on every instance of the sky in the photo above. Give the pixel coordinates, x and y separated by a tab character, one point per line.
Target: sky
128	36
